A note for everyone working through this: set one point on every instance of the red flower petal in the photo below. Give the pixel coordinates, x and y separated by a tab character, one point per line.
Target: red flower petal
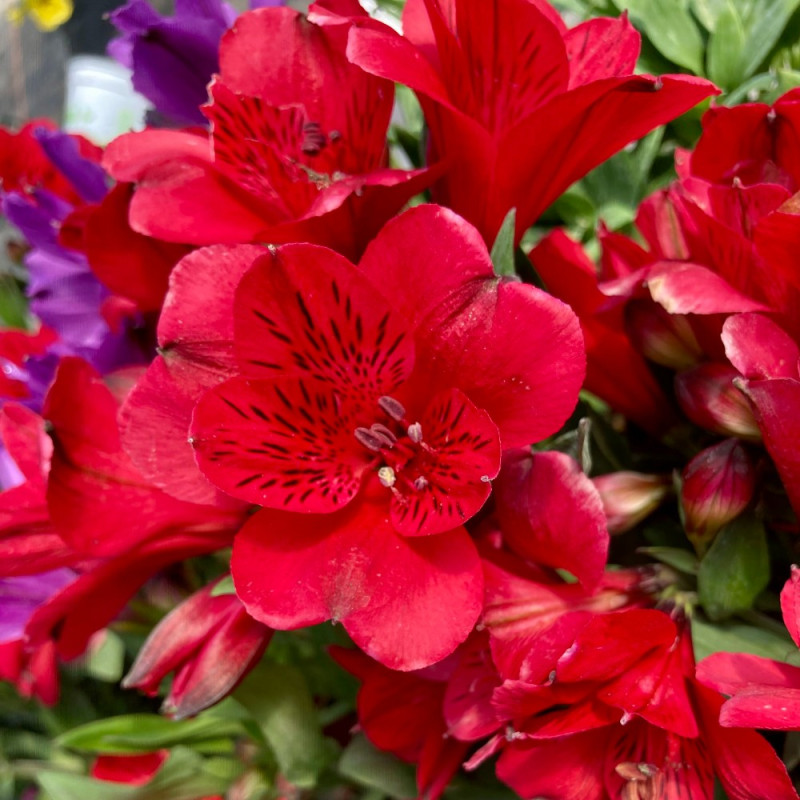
129	264
551	514
406	602
312	314
601	47
732	673
285	443
93	485
195	335
790	604
571	767
746	765
530	178
759	348
777	408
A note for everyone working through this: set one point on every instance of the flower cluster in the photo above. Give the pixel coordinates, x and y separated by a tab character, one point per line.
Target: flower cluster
285	366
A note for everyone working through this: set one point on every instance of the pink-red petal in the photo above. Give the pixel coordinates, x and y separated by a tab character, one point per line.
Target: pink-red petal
406	602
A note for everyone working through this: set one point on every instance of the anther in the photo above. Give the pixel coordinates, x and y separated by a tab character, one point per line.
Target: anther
383	433
420	483
415	432
369	439
387	477
313	139
392	407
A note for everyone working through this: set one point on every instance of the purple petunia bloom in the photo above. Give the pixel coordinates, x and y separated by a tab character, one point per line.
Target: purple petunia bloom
174	58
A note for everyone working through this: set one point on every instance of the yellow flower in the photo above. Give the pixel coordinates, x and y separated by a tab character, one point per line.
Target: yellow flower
47	15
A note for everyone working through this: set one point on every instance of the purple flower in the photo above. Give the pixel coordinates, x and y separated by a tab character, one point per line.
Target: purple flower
21	596
172	58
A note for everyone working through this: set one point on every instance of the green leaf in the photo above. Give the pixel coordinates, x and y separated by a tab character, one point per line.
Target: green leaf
787	79
366	765
734	636
764	24
13	305
675	557
708	11
278	700
671	29
725	50
107	662
183	777
225	586
735	569
138	733
503	247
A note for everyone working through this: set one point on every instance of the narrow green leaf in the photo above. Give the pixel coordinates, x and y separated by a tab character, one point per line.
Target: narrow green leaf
363	763
708	11
670	27
735	569
137	733
726	50
503	247
278	699
763	26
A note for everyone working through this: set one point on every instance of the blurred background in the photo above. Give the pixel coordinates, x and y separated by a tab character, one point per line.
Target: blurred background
33	63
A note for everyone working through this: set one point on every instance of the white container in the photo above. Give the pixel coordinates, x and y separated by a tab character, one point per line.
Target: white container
100	100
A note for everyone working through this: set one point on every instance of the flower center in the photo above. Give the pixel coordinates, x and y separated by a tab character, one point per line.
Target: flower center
401	451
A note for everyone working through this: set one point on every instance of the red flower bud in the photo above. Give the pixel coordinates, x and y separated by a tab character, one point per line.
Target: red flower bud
629	497
667	339
210	643
710	398
718	484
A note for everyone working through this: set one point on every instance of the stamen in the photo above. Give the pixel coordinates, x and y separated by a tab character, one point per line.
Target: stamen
383	432
387	477
369	439
415	432
420	483
313	139
392	407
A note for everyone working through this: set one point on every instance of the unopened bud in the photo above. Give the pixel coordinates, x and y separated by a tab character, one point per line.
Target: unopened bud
629	497
664	338
718	485
709	397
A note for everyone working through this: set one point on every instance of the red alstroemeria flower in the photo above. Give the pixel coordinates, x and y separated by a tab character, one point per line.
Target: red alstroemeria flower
297	150
520	106
375	400
621	716
764	693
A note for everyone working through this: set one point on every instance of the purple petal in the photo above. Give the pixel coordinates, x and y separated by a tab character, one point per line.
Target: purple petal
87	177
21	596
172	58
